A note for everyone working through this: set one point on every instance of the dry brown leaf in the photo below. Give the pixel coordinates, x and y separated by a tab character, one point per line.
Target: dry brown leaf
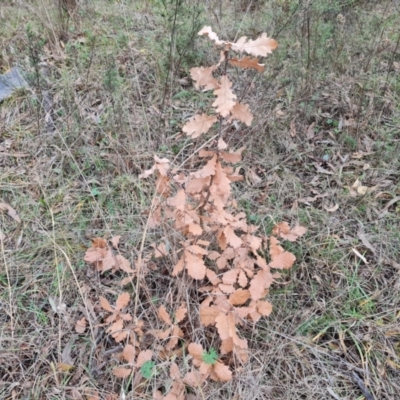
231	157
195	229
195	265
280	258
129	353
225	324
230	277
239	45
164	316
115	328
283	230
121	372
228	289
174	372
123	264
144	355
179	266
115	241
99	243
208	315
262	280
197	185
261	46
180	313
203	78
239	297
231	237
199	124
80	326
196	351
194	379
242	113
10	211
225	100
108	261
64	367
333	208
105	304
179	201
208	169
222	372
122	301
264	308
207	31
247	62
252	178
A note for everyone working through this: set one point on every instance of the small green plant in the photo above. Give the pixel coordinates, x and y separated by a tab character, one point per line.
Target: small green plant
147	369
210	357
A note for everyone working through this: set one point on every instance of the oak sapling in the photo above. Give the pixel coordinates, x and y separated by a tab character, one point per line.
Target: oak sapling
234	265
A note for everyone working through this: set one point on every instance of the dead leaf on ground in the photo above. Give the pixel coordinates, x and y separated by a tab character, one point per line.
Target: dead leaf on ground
332	208
322	170
310	131
365	241
283	230
252	178
10	211
293	128
80	326
357	189
360	256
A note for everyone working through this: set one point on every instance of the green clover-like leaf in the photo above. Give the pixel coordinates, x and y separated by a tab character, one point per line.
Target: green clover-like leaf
210	357
147	369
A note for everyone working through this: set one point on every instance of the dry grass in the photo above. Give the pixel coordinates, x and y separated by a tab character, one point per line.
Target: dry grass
71	149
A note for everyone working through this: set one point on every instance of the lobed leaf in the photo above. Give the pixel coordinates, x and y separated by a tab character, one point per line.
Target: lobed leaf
225	100
199	124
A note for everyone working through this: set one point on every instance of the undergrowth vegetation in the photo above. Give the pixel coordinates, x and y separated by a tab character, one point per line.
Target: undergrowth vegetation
154	186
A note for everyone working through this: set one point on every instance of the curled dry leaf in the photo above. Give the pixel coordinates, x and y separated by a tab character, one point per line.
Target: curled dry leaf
207	31
332	209
247	62
262	46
